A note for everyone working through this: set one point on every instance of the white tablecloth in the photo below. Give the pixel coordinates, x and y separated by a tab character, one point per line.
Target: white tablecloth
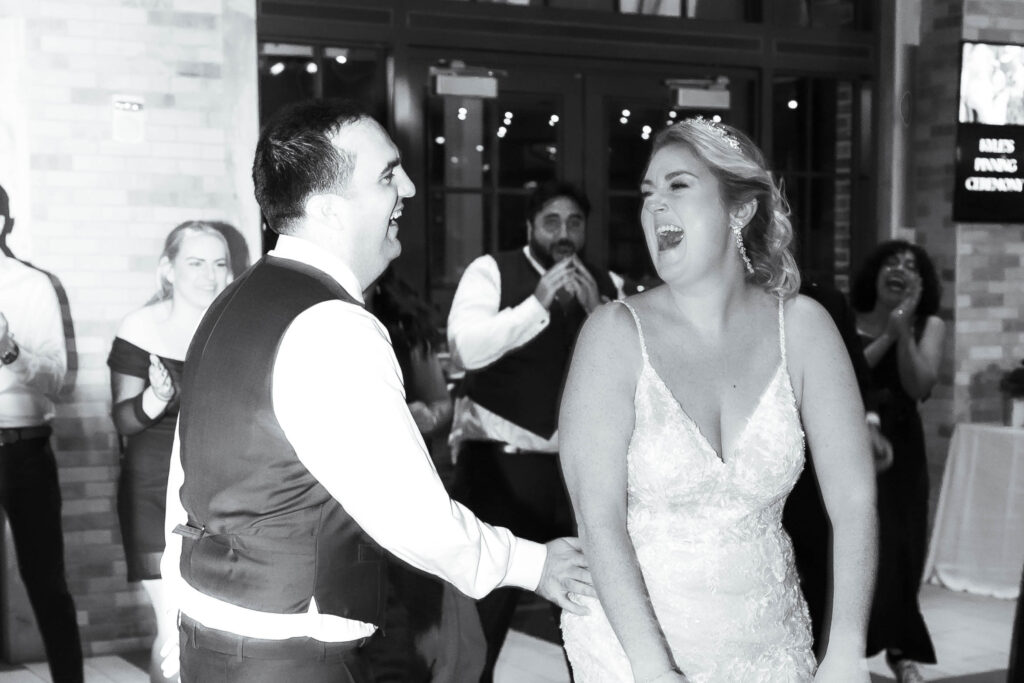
977	543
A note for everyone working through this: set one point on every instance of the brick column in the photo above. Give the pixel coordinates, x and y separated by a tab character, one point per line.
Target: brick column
981	266
94	210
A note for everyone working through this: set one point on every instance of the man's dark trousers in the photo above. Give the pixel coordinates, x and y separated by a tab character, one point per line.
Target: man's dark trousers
30	495
212	656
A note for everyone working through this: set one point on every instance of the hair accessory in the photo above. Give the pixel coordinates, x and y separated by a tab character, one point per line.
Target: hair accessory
737	231
715	129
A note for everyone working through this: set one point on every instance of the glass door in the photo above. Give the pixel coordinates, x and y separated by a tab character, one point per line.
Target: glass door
484	157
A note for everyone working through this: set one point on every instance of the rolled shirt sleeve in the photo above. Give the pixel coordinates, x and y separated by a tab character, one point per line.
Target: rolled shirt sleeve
478	332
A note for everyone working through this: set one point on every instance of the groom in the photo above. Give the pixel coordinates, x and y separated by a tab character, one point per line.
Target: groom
297	462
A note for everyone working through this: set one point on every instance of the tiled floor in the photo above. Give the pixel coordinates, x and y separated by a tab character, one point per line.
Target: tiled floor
971	634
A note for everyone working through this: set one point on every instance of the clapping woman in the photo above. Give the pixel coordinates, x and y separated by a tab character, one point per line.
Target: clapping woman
896	296
145	362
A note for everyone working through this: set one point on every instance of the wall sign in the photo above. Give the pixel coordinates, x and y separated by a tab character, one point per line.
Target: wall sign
990	135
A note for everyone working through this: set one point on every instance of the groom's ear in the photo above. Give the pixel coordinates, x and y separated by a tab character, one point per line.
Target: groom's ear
321	207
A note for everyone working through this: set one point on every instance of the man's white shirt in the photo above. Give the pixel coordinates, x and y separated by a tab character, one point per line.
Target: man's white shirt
29	385
339	398
479	333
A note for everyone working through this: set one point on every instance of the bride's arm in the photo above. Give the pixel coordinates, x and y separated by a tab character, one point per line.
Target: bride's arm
595	424
833	419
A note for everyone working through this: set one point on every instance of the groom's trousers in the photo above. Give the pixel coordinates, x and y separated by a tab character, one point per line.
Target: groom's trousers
212	656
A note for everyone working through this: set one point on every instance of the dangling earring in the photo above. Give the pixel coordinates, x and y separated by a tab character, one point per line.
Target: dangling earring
737	231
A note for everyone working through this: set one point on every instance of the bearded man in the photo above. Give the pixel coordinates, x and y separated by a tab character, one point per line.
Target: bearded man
512	326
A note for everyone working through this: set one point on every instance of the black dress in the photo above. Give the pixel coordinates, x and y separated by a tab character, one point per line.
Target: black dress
145	460
896	620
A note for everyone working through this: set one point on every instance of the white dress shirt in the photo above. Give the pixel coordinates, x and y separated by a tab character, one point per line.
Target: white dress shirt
479	333
344	413
29	385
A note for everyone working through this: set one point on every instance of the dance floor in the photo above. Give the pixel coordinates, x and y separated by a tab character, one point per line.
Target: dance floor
971	633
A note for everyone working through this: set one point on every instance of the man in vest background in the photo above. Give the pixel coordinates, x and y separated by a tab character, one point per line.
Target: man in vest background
512	327
296	460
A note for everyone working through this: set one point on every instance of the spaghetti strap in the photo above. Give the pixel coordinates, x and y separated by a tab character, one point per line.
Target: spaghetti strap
639	330
782	330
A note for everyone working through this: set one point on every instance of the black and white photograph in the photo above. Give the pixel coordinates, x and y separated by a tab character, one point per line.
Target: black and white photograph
511	341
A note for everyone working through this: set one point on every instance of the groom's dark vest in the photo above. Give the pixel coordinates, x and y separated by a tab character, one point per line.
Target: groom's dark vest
263	532
524	385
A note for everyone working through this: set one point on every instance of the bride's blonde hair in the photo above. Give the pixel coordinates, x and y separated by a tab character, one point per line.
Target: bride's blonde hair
743	176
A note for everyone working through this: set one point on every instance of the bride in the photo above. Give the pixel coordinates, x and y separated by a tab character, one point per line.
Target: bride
682	432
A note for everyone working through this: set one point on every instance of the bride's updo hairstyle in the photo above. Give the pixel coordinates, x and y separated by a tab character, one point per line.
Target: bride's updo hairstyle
742	174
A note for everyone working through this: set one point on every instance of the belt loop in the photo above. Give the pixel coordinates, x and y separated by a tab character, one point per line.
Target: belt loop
240	648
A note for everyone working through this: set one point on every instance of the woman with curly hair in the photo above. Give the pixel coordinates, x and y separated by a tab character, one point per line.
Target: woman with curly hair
682	427
896	296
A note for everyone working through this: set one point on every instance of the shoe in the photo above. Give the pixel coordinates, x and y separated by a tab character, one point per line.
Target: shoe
906	671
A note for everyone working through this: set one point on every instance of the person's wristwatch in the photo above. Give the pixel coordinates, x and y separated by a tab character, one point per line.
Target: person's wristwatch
11	354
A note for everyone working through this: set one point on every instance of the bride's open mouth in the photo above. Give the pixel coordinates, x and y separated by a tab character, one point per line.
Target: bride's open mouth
669	236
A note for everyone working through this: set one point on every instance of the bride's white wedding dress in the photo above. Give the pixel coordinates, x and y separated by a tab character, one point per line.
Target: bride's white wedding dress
708	534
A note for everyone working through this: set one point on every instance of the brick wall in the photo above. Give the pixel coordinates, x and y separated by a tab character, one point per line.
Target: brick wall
931	185
990	265
981	266
93	211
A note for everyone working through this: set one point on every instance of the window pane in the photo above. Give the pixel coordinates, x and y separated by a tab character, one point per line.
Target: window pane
287	73
459	142
527	132
716	10
511	221
823	13
815	121
459	227
631	124
627	250
357	74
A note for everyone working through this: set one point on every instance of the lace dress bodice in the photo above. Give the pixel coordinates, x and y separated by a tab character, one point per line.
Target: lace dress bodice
707	531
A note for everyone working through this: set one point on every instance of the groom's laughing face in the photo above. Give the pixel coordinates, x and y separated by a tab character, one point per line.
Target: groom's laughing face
374	195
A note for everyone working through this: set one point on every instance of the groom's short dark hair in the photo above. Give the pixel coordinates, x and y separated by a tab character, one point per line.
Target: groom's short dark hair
295	157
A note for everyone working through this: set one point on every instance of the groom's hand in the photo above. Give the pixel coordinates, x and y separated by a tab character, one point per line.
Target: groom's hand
566	575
